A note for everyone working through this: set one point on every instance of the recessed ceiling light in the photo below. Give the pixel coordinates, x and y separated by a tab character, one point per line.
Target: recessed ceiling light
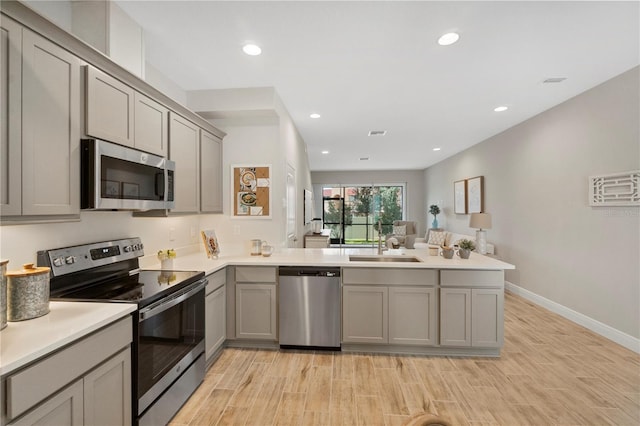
377	132
251	49
325	152
448	39
437	149
314	115
501	108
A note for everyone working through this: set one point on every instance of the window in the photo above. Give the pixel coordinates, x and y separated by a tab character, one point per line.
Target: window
352	212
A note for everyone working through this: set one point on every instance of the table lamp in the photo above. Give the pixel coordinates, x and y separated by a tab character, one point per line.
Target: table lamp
481	221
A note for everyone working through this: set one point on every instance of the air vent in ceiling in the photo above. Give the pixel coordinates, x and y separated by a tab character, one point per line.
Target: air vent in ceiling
377	132
364	158
555	80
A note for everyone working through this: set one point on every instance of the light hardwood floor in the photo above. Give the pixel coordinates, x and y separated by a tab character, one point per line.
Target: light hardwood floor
551	372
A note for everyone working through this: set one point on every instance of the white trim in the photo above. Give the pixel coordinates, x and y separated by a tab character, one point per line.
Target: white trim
604	330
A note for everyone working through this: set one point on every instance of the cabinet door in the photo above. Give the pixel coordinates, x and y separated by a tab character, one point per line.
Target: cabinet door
50	128
10	117
365	314
151	125
256	311
455	317
110	106
487	318
215	327
64	408
210	173
412	315
184	143
107	392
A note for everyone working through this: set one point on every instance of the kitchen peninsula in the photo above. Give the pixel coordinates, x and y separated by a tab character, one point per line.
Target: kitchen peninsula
430	305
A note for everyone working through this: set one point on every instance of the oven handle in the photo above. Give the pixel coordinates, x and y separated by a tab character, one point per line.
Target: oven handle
180	297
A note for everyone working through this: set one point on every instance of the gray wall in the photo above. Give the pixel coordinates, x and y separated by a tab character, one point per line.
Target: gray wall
536	181
414	179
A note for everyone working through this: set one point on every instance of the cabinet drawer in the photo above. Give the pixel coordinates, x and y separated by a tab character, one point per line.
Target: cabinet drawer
33	384
216	280
456	278
390	276
255	274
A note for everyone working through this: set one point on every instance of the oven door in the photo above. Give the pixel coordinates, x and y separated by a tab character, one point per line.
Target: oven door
170	338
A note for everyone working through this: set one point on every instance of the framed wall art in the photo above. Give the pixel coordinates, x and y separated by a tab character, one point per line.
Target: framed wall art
475	194
460	197
251	192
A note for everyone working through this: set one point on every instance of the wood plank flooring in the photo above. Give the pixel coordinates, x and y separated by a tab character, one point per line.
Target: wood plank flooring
551	372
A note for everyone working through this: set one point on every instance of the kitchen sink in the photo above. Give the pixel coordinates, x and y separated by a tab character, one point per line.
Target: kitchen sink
383	258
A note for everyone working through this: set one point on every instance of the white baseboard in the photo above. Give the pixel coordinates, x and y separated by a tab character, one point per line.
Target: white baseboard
604	330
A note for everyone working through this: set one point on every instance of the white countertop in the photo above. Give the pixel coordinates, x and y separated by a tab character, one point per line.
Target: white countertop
22	342
333	257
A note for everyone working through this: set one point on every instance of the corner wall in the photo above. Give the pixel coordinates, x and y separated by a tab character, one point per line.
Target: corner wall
536	181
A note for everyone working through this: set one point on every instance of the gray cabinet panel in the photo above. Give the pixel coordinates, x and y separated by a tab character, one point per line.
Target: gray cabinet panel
455	317
256	274
64	409
110	108
412	315
365	314
50	128
487	318
210	173
184	143
10	117
215	326
390	276
107	392
151	125
256	311
460	278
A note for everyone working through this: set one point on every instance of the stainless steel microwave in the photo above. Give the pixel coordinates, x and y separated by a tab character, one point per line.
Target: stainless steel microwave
115	177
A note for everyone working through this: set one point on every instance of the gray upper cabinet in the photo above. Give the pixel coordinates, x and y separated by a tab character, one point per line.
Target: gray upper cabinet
184	149
210	173
10	117
151	125
50	128
117	113
110	108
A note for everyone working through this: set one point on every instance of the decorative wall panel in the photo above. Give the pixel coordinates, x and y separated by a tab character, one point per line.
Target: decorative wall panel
618	189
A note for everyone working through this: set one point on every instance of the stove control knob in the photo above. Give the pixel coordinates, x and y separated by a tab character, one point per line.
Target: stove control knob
70	259
127	249
58	261
135	247
141	246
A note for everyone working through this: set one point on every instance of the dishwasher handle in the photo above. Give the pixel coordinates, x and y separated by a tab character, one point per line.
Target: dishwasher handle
295	271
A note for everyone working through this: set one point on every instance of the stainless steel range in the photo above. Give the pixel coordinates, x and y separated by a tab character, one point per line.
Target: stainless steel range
168	326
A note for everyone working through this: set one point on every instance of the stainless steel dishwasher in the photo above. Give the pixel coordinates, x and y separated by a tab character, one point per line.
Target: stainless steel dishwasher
309	307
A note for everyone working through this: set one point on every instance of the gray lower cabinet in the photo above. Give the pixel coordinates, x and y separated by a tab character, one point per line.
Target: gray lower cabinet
256	303
412	315
40	125
472	308
215	313
365	314
87	382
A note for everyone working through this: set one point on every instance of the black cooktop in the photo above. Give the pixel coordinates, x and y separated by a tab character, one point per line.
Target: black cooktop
142	288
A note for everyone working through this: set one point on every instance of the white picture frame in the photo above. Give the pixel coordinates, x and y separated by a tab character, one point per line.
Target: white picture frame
475	195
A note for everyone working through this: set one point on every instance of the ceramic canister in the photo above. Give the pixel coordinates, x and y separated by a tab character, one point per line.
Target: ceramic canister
3	294
27	293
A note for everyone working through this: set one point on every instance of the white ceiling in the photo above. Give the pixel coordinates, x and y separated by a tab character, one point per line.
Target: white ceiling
377	65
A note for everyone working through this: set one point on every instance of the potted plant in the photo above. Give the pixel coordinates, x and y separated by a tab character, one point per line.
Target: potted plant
435	211
465	248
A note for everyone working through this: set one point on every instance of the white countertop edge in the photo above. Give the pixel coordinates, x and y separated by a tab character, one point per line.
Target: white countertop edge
65	323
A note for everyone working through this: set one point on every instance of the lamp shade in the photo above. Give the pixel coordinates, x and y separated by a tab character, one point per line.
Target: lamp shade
480	221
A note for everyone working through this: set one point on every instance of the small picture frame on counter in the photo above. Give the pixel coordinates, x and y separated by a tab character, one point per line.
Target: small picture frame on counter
210	241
